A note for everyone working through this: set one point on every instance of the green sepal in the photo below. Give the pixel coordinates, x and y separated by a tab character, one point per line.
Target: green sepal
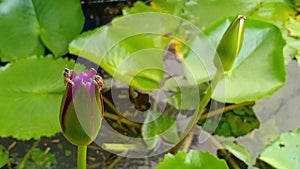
230	44
82	118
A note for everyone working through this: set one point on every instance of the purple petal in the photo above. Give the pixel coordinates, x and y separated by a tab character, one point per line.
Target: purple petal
77	81
73	75
92	72
66	102
89	86
83	76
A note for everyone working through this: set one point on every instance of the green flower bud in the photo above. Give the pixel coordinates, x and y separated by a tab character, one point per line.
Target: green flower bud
230	44
81	111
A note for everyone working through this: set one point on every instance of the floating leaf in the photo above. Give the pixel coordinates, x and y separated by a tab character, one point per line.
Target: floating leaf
276	12
266	10
197	10
186	96
237	122
193	160
294	27
174	7
231	160
284	151
68	153
4	157
159	126
43	159
239	151
28	25
30	95
129	49
292	49
262	165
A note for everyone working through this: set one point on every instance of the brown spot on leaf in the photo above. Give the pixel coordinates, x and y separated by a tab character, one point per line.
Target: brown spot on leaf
281	145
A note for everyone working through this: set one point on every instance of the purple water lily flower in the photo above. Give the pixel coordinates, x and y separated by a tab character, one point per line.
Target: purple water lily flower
82	110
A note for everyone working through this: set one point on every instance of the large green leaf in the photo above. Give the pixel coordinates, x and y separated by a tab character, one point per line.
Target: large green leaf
174	7
30	95
206	13
140	69
276	12
292	49
131	49
259	65
284	151
186	96
159	126
29	25
193	160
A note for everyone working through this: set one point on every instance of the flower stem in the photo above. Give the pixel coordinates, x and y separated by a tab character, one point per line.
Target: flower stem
81	157
197	114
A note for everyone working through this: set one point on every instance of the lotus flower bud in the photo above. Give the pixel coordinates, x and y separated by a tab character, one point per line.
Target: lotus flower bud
81	110
230	44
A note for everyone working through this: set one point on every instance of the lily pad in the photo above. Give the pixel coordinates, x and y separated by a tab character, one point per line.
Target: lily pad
267	10
174	7
187	95
4	157
284	151
42	159
30	95
237	122
294	27
193	160
27	26
239	151
275	12
131	49
159	126
206	13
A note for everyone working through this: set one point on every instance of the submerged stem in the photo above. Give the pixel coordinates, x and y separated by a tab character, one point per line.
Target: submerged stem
81	157
111	105
27	155
223	110
115	162
122	120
